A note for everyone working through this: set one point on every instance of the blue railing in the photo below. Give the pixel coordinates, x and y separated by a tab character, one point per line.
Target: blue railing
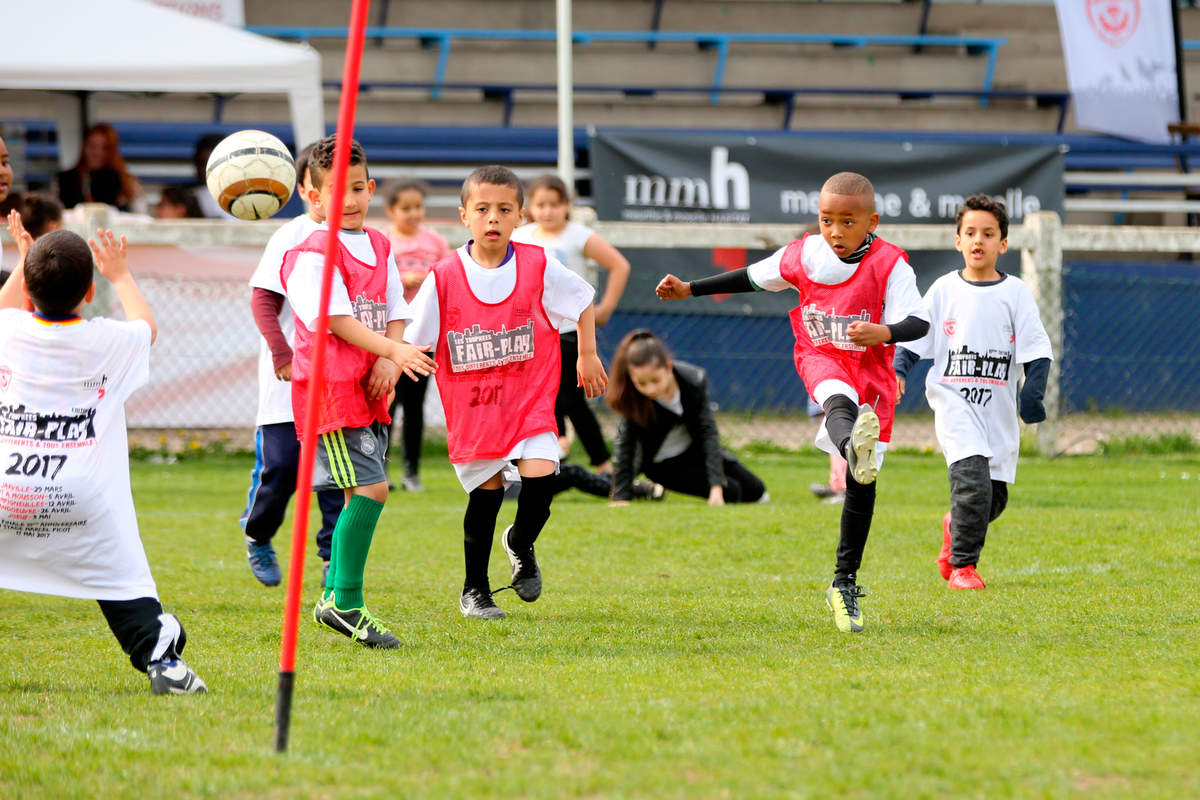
720	42
783	96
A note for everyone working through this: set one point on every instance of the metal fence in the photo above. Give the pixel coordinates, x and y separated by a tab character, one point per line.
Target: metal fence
1123	332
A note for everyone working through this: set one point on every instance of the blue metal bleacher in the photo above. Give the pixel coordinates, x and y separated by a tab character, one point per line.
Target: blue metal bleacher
442	39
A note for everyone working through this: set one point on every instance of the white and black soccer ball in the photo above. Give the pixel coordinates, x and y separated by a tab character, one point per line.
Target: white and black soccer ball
251	174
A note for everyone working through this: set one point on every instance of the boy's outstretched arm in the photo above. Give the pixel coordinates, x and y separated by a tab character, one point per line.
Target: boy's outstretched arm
412	360
112	261
589	368
735	281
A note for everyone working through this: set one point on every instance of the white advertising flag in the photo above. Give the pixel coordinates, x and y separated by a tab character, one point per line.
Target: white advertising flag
1120	57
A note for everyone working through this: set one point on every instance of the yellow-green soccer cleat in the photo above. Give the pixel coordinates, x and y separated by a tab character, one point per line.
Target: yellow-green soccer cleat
842	599
357	624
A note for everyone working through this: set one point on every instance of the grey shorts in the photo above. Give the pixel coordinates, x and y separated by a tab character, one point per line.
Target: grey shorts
351	457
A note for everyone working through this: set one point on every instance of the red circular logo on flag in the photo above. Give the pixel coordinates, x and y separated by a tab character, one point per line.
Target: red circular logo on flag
1113	20
5	378
949	325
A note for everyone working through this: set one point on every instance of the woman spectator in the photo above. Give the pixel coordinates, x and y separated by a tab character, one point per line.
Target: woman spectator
100	175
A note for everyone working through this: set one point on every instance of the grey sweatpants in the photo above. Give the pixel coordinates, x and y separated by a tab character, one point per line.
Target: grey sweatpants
975	500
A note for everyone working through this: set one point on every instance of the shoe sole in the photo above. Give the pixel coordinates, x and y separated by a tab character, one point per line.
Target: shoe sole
529	589
863	438
851	626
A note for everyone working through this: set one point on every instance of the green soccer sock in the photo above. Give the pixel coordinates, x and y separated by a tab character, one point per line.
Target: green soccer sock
351	542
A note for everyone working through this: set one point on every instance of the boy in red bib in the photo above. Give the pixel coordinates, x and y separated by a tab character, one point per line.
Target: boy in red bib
858	296
365	357
493	310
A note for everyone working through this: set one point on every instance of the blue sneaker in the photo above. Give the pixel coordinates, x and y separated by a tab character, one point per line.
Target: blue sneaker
263	563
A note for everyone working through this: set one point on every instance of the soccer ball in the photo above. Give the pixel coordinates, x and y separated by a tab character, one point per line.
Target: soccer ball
251	174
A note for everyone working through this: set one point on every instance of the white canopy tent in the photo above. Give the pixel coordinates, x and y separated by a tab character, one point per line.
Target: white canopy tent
129	45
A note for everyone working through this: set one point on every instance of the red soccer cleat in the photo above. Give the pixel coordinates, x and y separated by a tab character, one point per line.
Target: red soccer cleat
943	561
966	578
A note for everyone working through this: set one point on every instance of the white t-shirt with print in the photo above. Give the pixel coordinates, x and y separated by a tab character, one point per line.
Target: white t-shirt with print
566	247
274	395
67	522
979	336
565	295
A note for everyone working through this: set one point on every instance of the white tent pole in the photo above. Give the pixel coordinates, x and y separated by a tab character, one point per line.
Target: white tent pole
68	119
566	126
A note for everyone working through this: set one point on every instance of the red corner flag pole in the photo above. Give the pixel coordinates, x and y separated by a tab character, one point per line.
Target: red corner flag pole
308	440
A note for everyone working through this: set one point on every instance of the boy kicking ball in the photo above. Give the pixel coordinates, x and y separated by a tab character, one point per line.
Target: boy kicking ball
982	324
67	522
857	296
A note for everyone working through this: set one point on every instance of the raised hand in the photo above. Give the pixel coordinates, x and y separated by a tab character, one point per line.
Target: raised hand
16	229
110	255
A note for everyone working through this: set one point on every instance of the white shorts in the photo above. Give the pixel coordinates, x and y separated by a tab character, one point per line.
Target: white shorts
473	474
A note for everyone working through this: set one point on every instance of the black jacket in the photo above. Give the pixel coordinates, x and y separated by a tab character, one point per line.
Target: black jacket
636	445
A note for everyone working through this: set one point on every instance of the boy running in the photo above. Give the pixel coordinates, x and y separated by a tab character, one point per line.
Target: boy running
67	522
365	357
494	310
858	295
982	324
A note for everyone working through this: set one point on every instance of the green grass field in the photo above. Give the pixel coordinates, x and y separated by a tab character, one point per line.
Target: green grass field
678	651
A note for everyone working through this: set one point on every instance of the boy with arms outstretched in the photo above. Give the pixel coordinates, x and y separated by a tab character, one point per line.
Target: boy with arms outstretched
364	358
493	309
982	324
67	522
276	447
858	295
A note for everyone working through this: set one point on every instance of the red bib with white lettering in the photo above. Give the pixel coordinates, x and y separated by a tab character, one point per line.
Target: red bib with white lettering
498	363
821	320
344	402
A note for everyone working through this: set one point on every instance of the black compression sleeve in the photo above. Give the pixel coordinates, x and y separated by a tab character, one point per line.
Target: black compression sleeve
734	282
908	329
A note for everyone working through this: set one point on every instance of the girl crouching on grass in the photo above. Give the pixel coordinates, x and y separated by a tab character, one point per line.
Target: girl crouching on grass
665	409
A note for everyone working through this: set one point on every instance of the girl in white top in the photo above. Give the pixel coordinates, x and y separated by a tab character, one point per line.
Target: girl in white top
572	245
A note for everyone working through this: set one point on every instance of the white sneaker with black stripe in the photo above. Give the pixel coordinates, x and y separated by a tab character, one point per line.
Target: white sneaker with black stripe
172	676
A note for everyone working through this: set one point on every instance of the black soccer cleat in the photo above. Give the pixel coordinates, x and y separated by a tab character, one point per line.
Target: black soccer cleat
526	575
477	603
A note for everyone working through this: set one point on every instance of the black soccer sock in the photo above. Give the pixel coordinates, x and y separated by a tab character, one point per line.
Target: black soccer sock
533	509
857	510
479	526
840	414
